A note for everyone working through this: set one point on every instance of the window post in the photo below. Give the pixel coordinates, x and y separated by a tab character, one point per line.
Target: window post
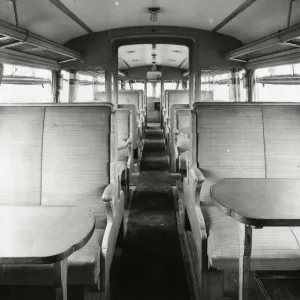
73	86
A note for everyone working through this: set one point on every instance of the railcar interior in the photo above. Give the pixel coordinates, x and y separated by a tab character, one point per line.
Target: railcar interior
150	149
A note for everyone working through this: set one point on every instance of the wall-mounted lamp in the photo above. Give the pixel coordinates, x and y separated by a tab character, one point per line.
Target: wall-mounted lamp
153	11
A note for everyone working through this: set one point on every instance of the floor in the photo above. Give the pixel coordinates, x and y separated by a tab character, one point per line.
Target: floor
150	265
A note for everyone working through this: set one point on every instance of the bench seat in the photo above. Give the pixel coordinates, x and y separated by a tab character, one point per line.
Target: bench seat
83	267
273	248
239	140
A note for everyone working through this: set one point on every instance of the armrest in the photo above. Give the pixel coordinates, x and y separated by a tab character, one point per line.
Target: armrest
121	166
140	123
197	175
125	144
129	141
109	193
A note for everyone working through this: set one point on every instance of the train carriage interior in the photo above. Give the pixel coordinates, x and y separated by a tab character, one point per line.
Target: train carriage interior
150	149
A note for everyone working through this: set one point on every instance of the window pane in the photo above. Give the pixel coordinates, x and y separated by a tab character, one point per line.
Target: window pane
278	93
170	85
25	85
138	86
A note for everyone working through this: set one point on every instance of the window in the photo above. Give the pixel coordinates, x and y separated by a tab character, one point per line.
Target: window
138	86
25	85
90	88
153	89
84	88
170	85
221	87
278	84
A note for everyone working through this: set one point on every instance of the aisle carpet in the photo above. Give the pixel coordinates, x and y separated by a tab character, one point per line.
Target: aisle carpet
150	264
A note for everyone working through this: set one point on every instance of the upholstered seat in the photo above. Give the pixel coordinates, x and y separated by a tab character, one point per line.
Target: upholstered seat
83	267
273	248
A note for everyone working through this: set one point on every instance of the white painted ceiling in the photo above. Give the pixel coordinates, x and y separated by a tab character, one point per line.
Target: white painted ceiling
260	19
141	55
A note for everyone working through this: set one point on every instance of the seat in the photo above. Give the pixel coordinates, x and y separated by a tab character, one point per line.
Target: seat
273	248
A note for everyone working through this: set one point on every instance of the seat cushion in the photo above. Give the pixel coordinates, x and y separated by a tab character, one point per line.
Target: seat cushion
83	267
273	248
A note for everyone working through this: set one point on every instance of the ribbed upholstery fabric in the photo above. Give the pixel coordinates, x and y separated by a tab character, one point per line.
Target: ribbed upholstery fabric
123	125
83	267
76	158
273	248
282	140
21	131
133	128
183	119
230	143
176	97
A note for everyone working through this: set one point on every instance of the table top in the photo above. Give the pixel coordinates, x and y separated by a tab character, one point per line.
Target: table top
43	234
259	202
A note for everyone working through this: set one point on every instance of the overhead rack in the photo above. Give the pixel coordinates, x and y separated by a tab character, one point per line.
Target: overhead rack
21	43
282	45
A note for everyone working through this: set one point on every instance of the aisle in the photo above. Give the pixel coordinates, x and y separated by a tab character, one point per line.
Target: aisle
150	265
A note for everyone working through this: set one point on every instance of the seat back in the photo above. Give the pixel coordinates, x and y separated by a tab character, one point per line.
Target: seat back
184	113
282	140
183	118
21	132
227	141
78	156
123	123
133	123
130	97
180	118
175	97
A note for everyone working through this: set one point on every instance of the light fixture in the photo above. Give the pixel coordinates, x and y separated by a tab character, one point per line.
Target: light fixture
153	68
153	46
153	11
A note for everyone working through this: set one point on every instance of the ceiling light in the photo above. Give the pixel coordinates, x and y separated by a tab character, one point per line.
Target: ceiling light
130	51
153	13
176	51
153	68
153	46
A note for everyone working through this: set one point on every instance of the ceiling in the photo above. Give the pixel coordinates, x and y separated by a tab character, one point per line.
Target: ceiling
42	17
133	56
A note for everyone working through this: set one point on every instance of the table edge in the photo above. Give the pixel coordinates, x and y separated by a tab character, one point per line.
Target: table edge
53	258
259	223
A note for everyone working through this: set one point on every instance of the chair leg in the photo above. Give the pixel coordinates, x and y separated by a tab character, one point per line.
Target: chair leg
215	285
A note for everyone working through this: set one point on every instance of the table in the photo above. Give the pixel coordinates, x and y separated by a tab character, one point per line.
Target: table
44	235
256	203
